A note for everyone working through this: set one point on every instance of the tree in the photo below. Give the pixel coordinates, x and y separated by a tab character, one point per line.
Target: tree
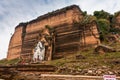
84	13
102	15
87	19
104	26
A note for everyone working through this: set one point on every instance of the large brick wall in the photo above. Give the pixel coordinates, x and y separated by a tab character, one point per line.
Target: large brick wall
68	37
15	44
117	21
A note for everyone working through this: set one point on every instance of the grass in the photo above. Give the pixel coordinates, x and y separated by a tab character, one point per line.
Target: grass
91	60
9	62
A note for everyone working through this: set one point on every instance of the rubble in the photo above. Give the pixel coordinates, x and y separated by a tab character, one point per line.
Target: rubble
101	49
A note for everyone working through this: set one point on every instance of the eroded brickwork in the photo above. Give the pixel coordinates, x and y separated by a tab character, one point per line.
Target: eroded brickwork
15	44
68	36
117	21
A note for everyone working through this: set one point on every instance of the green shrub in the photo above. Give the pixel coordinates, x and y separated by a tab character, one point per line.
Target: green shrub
102	15
104	26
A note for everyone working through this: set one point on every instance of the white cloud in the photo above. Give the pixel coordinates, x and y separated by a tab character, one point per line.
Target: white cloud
90	6
12	12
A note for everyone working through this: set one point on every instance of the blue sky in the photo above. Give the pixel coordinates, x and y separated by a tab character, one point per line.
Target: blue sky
12	12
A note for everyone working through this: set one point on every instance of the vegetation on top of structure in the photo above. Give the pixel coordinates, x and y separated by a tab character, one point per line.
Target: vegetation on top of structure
87	19
102	15
103	20
84	13
104	26
106	22
51	29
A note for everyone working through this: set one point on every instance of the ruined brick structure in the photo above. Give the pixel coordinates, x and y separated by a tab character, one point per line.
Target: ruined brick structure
117	20
69	36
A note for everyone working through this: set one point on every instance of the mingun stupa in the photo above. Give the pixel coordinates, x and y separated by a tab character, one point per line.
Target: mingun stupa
59	32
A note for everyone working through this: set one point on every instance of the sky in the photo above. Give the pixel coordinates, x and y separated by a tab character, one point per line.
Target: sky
12	12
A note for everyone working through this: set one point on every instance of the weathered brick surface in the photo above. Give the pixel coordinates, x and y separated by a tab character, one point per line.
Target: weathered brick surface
68	38
117	21
15	44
